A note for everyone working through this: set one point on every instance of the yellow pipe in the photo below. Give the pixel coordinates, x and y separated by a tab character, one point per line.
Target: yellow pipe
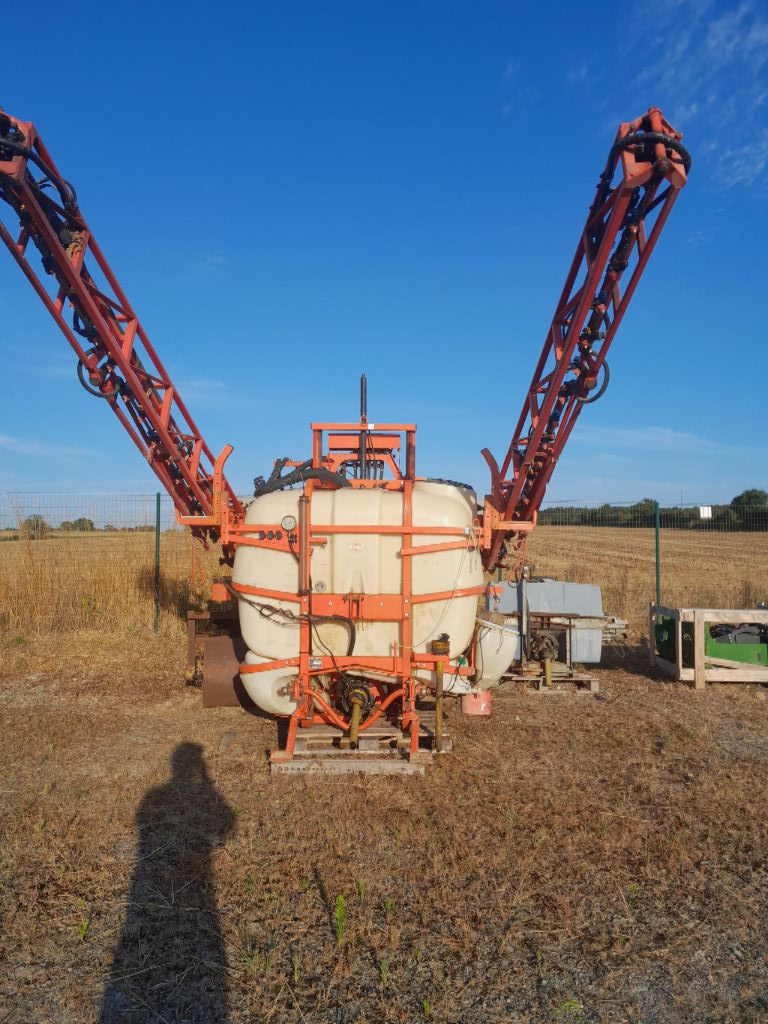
439	707
439	646
354	721
548	673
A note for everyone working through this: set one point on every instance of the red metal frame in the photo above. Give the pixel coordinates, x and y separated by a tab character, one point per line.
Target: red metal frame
645	172
396	694
622	228
117	358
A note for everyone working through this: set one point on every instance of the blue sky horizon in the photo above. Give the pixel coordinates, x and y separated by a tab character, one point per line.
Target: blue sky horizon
292	195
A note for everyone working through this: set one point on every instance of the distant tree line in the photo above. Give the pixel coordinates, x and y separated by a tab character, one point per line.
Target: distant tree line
748	511
35	527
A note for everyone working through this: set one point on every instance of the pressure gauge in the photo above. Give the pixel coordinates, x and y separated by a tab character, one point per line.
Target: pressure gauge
289	523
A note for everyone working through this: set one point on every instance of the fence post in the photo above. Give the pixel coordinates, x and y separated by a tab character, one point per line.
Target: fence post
157	562
658	553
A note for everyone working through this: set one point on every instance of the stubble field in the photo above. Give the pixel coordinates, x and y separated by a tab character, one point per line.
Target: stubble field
575	859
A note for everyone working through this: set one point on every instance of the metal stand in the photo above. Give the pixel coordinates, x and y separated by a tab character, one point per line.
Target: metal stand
564	679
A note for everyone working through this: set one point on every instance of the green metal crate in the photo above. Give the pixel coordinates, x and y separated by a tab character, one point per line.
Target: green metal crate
747	654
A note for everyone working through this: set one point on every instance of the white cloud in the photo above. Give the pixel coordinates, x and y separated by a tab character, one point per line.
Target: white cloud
656	439
609	457
739	35
708	70
212	262
589	489
43	449
58	372
518	92
202	391
577	72
747	163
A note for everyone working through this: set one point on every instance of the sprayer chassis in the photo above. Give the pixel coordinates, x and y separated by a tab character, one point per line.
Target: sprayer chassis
54	247
396	725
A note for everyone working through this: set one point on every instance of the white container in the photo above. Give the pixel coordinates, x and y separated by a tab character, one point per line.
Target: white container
498	646
358	563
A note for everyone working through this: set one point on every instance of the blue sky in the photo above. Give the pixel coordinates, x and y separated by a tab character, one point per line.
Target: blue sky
292	193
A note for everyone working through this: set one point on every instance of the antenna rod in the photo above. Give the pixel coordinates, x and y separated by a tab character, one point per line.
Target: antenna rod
363	423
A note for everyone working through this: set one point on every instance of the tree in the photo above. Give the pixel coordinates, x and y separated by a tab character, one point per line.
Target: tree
750	498
34	528
83	525
643	513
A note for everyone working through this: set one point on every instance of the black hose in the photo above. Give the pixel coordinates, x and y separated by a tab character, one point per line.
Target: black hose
63	187
636	139
305	471
643	138
278	468
85	381
81	324
272	612
344	622
600	391
450	483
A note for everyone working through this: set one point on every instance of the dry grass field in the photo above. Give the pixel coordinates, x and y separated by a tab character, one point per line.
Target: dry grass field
709	570
69	582
576	858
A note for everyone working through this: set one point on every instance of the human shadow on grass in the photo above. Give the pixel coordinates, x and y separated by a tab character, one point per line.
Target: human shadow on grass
170	964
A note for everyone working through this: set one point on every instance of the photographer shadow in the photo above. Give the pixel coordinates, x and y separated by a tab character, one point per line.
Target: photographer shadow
170	963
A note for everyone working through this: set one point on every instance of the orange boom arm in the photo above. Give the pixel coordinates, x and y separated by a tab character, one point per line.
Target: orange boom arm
646	169
116	360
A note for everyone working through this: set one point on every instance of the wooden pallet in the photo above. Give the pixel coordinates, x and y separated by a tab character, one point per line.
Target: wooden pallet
352	763
579	682
382	750
564	679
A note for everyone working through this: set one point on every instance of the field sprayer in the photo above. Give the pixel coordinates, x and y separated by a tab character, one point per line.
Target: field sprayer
355	583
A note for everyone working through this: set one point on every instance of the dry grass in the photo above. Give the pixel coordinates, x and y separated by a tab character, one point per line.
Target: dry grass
96	580
575	859
708	570
106	581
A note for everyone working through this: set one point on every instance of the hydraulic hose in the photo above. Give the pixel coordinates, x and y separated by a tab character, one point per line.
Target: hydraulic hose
637	139
305	471
642	138
593	397
82	376
273	612
65	190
